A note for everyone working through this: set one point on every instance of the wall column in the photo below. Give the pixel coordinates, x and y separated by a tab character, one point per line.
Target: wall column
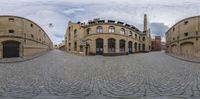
105	45
117	46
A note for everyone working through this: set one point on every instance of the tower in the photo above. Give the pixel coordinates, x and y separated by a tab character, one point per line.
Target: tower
145	23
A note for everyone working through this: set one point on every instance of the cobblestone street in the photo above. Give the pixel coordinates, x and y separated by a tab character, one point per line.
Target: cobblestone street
59	75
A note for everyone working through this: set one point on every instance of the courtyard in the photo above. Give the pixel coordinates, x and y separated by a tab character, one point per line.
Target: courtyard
60	75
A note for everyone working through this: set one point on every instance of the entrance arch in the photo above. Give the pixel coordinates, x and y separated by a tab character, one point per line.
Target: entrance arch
111	45
130	47
99	46
122	44
11	49
187	49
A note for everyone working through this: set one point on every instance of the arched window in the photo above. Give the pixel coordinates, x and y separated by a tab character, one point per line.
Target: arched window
111	45
99	29
143	38
130	34
75	33
88	31
111	29
122	46
122	31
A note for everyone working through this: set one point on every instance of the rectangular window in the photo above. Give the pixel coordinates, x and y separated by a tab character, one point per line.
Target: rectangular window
11	31
173	29
32	36
186	22
31	25
186	34
11	19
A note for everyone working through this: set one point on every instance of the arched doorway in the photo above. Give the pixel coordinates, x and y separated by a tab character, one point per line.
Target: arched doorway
130	47
122	46
10	49
187	49
143	47
111	45
135	45
99	46
174	49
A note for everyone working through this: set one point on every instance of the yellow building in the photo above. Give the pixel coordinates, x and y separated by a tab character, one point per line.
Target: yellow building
21	37
101	37
183	37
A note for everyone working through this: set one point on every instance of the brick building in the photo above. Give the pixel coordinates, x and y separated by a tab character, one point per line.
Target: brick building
156	44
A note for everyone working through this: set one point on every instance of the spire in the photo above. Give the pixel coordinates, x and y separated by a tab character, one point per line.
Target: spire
145	23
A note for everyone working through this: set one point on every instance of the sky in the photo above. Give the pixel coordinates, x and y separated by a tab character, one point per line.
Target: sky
162	14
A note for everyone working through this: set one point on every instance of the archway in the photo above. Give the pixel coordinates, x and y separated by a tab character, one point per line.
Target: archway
122	44
99	46
130	47
187	49
10	49
111	45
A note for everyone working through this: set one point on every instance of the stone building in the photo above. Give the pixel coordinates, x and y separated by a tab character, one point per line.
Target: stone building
101	37
21	37
156	44
183	37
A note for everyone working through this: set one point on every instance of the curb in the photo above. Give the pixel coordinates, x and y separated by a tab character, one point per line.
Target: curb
182	58
24	59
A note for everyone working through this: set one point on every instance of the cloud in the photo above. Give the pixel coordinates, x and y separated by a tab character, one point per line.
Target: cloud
161	14
158	29
73	11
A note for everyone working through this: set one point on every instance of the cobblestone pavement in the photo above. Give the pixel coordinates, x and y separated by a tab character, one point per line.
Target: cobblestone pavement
58	75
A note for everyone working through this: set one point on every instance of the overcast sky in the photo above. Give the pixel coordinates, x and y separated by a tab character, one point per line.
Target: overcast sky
161	13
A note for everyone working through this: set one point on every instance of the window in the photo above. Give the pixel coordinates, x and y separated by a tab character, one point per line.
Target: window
186	34
136	36
186	22
99	29
122	31
88	31
130	34
11	19
11	31
32	36
173	29
111	29
75	33
31	25
143	38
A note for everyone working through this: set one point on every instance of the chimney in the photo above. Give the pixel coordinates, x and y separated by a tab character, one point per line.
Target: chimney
145	23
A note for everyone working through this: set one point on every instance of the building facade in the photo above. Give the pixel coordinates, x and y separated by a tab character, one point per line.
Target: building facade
101	37
156	44
183	38
21	37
